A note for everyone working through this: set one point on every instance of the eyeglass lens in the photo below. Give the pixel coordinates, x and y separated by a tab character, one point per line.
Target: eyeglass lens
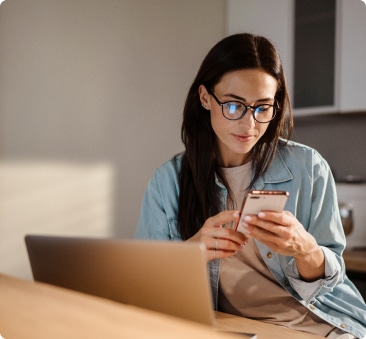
236	110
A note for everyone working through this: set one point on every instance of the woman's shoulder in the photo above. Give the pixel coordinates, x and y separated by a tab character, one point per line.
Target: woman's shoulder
173	163
297	155
296	149
170	168
283	144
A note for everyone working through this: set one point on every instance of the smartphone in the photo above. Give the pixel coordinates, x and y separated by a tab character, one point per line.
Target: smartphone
256	201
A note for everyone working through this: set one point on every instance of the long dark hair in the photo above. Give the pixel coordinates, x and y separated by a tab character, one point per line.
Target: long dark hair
199	197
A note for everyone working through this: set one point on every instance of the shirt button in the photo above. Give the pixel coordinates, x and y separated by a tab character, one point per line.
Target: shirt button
312	307
344	326
287	283
269	255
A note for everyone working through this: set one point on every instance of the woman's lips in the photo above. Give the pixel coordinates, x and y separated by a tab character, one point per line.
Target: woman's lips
243	138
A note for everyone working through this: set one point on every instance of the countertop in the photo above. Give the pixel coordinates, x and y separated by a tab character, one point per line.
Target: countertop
355	260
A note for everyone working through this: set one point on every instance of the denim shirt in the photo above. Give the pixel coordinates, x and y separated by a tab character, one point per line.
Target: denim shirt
302	172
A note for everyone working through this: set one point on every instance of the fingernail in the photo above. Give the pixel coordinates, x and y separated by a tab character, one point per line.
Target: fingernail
244	224
248	218
261	214
236	214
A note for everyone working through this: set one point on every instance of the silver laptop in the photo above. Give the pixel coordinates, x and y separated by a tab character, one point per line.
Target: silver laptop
164	276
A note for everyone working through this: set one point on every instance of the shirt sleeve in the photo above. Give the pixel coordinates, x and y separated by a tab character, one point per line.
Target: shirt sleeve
309	290
325	225
152	223
159	209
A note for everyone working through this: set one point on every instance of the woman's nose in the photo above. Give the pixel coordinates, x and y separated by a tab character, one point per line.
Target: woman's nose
248	118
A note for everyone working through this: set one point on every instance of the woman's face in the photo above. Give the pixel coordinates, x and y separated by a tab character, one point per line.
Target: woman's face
236	138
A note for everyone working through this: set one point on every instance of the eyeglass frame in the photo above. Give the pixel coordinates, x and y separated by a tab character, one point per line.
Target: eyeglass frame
252	108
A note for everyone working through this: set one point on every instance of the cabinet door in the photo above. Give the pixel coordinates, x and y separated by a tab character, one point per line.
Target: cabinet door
351	49
314	56
276	20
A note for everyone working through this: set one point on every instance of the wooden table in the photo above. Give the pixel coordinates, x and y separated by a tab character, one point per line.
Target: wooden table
35	310
355	260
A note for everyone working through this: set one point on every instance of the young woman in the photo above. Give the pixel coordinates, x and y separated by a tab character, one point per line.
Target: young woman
289	271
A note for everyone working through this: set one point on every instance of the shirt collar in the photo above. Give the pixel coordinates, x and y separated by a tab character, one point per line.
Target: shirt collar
277	172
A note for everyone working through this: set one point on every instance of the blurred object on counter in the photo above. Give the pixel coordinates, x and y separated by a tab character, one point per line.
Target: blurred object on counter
346	211
352	204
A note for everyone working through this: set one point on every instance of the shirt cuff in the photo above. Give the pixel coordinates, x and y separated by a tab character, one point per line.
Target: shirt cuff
334	273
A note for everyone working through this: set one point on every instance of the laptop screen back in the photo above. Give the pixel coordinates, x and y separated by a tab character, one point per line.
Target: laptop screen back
164	276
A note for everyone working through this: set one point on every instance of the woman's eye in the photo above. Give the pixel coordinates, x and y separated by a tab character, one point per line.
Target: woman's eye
263	108
234	107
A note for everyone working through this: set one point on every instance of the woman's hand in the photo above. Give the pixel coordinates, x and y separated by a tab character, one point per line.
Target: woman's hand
284	234
220	242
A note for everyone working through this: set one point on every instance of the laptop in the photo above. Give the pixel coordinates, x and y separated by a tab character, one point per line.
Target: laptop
164	276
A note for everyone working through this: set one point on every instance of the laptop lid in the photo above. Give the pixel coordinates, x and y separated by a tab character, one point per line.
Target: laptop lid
164	276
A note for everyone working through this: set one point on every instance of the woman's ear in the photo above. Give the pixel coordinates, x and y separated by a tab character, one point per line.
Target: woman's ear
204	97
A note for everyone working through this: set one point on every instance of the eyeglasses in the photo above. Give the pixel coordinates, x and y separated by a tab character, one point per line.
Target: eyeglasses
235	110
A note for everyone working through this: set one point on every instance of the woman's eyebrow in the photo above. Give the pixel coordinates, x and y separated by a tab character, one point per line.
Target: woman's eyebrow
243	99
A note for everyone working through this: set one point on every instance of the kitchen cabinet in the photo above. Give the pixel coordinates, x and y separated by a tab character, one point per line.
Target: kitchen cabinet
351	19
276	20
314	55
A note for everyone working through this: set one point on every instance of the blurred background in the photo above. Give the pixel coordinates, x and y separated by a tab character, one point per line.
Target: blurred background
92	93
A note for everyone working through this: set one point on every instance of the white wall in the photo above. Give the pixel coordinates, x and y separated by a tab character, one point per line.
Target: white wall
91	98
272	19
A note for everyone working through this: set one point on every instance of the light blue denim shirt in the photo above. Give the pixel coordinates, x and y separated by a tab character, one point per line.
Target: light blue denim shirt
302	172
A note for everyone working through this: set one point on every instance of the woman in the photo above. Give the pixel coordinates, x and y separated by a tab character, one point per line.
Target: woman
236	134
